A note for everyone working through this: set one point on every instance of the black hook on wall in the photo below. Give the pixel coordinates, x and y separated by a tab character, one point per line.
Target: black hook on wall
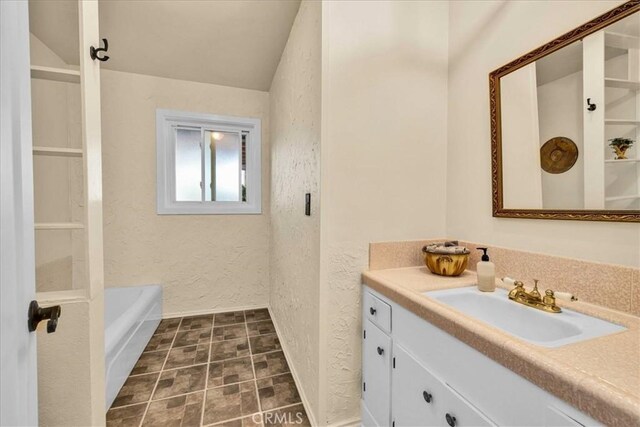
93	52
591	107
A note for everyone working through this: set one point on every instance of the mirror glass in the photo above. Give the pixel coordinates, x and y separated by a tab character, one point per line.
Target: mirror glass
569	125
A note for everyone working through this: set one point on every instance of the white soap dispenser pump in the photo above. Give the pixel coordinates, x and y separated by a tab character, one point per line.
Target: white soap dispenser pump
486	271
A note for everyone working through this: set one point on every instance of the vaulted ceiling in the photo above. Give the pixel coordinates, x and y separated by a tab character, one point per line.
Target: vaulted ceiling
226	42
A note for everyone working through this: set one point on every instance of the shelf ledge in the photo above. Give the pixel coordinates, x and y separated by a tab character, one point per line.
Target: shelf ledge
56	74
612	199
55	151
622	84
621	122
59	226
613	161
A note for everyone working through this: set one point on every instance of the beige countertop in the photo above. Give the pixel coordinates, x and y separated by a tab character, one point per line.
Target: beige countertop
600	376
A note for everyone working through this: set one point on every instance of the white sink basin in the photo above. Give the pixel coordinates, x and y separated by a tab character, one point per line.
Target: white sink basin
526	323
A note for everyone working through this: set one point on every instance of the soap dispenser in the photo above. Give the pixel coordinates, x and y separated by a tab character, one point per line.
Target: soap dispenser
486	271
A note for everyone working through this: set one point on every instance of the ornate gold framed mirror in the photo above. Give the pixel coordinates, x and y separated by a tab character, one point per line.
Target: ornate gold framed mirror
582	88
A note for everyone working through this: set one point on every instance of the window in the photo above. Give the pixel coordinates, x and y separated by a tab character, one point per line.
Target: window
207	164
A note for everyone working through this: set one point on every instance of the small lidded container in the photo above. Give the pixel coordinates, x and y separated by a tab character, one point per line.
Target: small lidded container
446	258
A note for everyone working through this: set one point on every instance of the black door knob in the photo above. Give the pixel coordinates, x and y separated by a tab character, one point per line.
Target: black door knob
380	351
451	420
427	396
372	311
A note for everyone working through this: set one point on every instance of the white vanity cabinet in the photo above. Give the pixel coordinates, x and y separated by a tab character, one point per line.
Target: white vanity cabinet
415	374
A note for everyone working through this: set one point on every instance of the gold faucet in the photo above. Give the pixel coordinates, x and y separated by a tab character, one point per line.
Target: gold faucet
533	299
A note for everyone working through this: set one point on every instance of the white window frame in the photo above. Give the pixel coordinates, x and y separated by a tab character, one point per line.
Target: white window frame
166	122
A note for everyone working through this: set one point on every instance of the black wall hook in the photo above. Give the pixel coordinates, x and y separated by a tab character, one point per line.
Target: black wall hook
591	107
37	314
93	52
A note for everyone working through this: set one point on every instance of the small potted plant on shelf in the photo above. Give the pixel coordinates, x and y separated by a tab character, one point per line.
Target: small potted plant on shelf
620	146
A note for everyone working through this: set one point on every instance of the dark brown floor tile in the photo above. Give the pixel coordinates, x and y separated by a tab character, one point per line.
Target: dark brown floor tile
160	342
185	410
257	315
229	332
229	402
229	318
230	371
135	390
229	349
270	364
128	416
277	391
264	343
198	336
181	381
149	362
186	356
167	326
262	327
291	416
196	322
254	420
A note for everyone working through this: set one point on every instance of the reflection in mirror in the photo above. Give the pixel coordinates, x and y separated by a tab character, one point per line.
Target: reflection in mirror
569	125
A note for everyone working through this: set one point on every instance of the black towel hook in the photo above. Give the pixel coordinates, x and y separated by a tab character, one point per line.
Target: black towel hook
93	52
591	107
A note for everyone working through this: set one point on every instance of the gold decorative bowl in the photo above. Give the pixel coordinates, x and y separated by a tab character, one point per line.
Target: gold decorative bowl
446	264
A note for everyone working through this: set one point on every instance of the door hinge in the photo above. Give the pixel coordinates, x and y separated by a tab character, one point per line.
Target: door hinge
393	423
364	386
364	335
394	363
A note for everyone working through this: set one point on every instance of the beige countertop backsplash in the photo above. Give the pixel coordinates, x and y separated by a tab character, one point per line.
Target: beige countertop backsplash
600	376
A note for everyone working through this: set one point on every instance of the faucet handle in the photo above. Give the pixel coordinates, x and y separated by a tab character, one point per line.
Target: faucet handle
565	296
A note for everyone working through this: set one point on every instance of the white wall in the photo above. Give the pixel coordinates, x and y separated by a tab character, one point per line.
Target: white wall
383	160
204	262
485	36
295	170
522	186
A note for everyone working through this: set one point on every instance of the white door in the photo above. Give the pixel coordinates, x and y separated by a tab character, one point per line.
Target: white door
18	376
376	377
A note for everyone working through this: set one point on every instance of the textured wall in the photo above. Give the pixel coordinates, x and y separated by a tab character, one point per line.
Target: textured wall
483	37
204	262
384	85
295	238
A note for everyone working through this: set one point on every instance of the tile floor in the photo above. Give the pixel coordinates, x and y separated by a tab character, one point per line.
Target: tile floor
225	369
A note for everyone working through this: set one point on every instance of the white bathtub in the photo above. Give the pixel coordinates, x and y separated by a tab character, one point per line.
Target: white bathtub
131	315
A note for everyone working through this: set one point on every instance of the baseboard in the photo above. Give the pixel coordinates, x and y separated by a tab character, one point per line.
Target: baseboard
294	373
209	311
352	422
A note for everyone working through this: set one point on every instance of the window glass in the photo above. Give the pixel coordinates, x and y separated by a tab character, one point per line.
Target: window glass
188	165
223	166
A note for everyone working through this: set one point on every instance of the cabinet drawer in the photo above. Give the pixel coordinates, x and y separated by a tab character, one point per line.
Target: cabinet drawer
377	311
421	399
376	373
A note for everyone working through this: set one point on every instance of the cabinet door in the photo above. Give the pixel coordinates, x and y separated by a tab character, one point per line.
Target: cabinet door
458	412
376	372
416	393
